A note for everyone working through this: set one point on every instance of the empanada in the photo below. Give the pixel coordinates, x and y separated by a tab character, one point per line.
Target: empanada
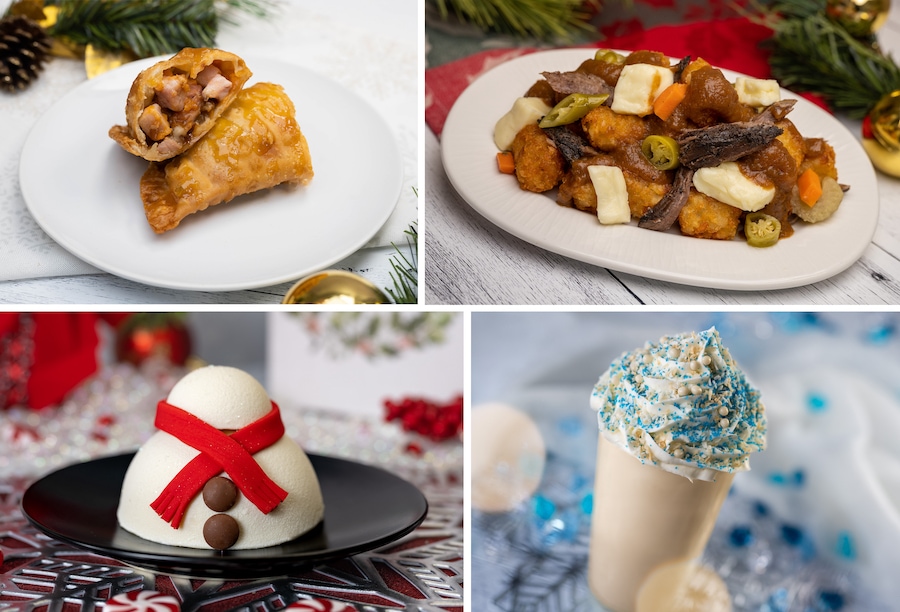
255	144
173	103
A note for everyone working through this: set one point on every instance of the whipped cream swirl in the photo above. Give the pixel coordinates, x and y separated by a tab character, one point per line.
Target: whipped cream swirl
682	404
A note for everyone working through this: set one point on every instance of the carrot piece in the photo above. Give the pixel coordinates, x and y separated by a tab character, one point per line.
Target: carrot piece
671	96
810	187
505	162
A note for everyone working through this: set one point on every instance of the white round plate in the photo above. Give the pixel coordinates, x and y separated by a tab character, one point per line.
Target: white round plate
813	253
83	190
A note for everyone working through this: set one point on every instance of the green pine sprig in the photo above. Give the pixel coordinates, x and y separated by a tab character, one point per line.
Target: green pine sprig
405	274
542	19
812	53
148	27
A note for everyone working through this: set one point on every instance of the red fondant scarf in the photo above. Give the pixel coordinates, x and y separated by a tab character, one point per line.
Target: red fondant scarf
219	452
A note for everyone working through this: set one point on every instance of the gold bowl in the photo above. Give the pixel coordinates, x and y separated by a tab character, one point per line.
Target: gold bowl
334	287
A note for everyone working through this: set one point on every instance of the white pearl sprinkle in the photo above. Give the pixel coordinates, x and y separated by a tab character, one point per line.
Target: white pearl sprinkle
678	453
674	352
723	411
695	366
706	360
648	358
724	423
696	390
682	391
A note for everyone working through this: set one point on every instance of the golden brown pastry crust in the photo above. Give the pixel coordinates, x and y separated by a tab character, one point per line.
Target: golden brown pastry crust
256	144
189	62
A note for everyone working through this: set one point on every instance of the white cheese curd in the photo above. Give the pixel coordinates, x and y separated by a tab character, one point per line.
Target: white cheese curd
612	195
523	112
757	92
638	87
728	184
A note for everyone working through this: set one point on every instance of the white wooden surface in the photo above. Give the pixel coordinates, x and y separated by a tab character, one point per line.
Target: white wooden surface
468	260
371	50
372	263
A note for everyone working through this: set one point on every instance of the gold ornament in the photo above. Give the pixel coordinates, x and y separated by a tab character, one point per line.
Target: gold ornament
883	147
97	61
884	119
335	287
861	18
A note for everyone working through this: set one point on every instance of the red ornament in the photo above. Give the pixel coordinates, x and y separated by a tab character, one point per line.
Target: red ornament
432	420
867	128
143	336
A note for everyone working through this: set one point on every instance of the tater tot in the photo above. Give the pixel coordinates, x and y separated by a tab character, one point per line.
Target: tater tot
706	217
539	164
642	195
607	130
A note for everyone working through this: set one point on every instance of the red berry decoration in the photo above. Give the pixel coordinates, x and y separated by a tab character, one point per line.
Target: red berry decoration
436	421
321	605
142	601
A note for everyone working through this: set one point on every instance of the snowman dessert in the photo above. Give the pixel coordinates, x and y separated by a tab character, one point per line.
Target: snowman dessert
220	473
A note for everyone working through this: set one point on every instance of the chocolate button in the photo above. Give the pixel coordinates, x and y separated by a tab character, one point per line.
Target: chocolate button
221	531
219	494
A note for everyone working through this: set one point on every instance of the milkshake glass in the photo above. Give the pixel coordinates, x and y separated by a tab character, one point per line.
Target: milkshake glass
677	419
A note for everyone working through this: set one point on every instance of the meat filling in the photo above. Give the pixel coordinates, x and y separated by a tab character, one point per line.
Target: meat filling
154	123
178	104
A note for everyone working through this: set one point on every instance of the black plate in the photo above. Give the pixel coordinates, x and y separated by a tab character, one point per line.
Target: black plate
365	507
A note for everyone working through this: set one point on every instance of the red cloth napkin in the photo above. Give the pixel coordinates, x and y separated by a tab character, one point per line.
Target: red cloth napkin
727	43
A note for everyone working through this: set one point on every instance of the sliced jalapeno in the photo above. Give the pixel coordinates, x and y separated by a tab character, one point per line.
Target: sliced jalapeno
609	56
661	151
761	230
571	108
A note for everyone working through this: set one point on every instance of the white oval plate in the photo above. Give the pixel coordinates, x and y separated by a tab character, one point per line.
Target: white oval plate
813	253
83	190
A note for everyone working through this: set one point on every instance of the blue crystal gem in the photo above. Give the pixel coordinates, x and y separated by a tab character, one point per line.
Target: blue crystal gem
845	546
587	503
830	600
792	535
543	507
777	602
816	402
741	536
881	334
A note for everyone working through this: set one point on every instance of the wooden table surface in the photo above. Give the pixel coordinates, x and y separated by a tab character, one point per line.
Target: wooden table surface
468	260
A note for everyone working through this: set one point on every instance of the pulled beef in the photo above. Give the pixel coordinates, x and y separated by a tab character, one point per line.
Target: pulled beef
565	83
710	146
664	215
678	68
774	112
572	146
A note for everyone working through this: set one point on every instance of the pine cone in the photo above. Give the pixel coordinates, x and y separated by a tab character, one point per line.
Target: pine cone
23	50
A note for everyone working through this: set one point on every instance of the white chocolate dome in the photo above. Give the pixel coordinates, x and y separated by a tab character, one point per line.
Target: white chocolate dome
226	398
